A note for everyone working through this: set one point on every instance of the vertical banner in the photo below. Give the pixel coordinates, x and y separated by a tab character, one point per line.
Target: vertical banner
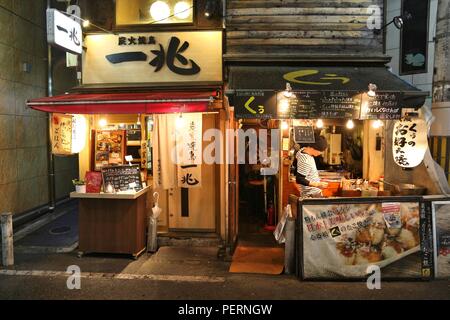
343	240
189	147
414	37
163	149
61	134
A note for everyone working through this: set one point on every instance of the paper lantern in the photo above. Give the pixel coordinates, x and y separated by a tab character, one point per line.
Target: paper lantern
409	142
79	129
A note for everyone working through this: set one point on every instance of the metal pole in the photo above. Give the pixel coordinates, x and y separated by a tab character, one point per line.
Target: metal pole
7	239
51	157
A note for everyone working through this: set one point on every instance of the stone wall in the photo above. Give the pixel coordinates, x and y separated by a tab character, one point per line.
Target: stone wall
23	135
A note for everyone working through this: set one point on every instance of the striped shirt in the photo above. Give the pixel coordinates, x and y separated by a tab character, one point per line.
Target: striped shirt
307	166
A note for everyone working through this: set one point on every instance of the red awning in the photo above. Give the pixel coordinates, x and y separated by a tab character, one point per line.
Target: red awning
109	103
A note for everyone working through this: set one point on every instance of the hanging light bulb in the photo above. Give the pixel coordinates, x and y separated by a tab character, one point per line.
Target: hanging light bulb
138	119
284	105
377	124
86	23
319	124
102	122
284	125
350	124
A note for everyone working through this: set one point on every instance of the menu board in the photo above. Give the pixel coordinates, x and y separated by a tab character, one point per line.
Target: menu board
255	104
383	105
441	226
120	177
304	134
109	148
340	105
302	105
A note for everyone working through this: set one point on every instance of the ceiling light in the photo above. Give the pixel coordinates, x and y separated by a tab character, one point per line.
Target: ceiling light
159	10
182	10
284	125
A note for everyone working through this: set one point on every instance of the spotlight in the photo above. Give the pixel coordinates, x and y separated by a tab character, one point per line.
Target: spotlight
211	8
372	89
86	23
319	124
350	124
288	92
377	124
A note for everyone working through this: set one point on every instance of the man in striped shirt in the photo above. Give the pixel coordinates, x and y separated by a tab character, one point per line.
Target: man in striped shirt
307	174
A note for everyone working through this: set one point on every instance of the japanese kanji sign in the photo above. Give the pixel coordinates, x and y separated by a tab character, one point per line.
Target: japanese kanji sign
189	145
61	134
409	142
153	57
64	32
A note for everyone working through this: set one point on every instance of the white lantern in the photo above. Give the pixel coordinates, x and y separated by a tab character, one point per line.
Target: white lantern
409	142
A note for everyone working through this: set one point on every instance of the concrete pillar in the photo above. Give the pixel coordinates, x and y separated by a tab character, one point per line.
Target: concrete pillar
7	239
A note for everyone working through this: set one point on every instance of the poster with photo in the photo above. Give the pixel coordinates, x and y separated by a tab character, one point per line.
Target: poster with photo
441	226
343	240
109	148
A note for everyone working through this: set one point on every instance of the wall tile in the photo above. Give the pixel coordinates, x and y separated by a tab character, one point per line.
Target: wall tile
24	35
8	136
31	163
21	57
6	3
23	92
6	62
8	200
24	8
7	97
8	165
30	193
6	25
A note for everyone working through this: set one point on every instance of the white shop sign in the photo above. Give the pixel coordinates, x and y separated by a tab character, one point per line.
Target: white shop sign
63	32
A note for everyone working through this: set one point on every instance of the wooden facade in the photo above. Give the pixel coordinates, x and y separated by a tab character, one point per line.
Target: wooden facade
300	28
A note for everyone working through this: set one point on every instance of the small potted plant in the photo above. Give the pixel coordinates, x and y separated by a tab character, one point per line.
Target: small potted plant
80	186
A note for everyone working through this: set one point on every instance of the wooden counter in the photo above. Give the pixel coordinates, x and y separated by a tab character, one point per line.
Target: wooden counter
112	223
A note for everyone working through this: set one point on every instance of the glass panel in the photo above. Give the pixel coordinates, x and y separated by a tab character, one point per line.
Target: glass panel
129	12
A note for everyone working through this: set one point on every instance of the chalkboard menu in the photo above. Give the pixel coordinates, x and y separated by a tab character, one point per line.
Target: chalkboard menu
320	104
255	104
302	105
340	105
120	177
383	105
304	134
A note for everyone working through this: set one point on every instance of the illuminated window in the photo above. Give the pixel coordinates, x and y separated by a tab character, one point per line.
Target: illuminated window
131	12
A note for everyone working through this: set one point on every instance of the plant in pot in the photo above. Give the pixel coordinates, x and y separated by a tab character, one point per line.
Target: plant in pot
80	185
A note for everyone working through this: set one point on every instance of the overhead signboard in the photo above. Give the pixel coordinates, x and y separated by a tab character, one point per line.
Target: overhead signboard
255	104
156	57
63	32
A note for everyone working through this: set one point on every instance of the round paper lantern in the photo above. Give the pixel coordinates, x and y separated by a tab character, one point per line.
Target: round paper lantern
409	142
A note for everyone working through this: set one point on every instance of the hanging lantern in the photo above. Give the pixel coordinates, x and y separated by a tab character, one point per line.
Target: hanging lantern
409	142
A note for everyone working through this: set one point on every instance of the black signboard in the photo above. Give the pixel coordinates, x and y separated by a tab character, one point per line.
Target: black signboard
255	104
383	105
304	134
340	105
120	177
414	37
301	105
426	239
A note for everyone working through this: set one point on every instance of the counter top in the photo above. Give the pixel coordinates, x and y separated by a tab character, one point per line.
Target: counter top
123	196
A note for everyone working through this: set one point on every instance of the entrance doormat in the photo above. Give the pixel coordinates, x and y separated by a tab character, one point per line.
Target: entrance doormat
263	260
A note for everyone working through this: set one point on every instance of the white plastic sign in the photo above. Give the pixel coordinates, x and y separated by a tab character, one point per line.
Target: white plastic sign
63	32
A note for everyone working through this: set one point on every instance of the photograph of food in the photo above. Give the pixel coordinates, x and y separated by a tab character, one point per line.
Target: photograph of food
109	146
382	237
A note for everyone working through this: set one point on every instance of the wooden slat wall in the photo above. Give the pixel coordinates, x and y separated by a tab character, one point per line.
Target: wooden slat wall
301	27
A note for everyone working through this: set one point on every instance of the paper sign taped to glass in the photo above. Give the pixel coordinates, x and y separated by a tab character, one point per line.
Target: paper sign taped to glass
342	240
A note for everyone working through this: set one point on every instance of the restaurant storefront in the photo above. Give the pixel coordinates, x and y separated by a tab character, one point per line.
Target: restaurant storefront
145	102
368	215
